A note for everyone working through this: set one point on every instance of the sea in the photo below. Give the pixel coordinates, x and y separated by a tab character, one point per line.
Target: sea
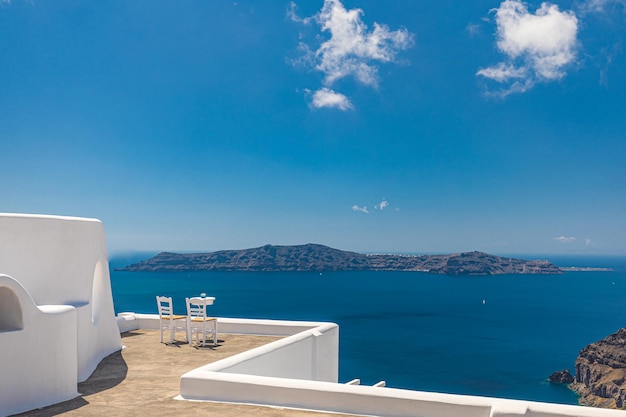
496	336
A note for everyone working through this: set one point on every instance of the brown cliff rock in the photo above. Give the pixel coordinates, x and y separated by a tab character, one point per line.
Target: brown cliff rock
562	377
601	372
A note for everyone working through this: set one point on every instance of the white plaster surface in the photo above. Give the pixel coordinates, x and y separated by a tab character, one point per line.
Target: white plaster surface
311	354
38	351
59	267
263	376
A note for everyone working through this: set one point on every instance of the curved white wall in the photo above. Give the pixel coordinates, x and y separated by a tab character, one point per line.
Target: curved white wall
38	351
63	261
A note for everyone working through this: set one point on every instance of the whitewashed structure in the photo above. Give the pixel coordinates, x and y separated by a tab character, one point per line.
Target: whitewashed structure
56	308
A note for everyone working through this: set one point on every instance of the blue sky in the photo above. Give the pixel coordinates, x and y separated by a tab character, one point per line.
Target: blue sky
401	126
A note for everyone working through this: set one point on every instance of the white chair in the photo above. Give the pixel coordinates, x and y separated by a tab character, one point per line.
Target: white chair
198	323
168	320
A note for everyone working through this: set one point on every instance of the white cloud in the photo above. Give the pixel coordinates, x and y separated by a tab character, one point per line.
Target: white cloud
361	209
588	242
326	97
537	47
503	72
564	239
607	55
292	15
611	13
472	29
594	5
600	6
381	206
352	49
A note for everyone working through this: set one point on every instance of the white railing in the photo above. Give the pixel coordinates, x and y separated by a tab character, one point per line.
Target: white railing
299	371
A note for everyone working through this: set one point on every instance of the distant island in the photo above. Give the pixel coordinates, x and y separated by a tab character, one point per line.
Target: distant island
314	257
585	269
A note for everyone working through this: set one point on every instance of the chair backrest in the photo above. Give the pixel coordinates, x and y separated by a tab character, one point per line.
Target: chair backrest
195	310
165	306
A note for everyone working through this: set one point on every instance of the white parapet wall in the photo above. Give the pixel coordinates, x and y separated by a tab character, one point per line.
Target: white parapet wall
56	271
309	350
128	321
311	355
300	372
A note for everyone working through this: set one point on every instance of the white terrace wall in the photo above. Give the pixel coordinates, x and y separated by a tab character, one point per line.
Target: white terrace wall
311	354
310	350
366	400
56	261
129	321
265	376
38	351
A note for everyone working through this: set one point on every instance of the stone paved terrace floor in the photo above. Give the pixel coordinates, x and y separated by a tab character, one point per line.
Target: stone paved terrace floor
143	378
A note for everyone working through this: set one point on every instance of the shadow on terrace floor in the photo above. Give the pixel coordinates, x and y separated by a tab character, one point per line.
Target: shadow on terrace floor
143	378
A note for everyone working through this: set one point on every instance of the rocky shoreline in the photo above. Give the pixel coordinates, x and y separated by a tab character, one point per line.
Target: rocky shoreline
313	257
601	372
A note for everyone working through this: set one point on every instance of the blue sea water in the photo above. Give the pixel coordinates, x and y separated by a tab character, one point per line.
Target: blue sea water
498	336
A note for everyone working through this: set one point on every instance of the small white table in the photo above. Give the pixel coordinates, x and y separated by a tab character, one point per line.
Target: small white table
206	301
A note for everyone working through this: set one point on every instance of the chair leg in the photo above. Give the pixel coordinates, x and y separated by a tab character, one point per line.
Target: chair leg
203	332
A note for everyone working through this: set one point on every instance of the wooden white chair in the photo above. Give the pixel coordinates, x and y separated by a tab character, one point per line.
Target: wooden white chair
198	323
168	320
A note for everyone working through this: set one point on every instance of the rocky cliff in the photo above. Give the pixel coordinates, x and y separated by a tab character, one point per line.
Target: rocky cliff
601	372
312	257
